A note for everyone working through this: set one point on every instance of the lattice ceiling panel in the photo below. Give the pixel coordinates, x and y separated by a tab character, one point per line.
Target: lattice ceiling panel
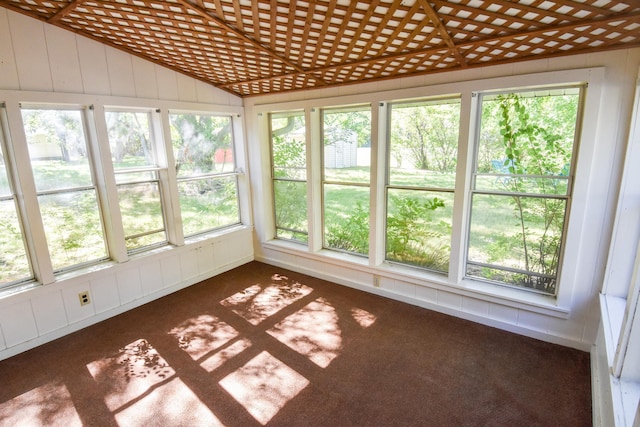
254	47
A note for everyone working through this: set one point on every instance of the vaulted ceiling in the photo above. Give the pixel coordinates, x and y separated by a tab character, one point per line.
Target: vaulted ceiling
254	47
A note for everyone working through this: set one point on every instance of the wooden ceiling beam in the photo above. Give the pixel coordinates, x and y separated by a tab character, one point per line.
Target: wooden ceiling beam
64	11
219	21
635	17
433	16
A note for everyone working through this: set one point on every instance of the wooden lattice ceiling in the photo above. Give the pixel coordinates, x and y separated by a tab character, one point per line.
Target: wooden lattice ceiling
254	47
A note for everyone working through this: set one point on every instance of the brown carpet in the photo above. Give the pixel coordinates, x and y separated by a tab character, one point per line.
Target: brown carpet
260	345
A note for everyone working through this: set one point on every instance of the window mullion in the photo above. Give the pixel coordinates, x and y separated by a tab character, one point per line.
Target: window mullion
469	126
314	179
379	152
168	177
27	198
242	180
106	184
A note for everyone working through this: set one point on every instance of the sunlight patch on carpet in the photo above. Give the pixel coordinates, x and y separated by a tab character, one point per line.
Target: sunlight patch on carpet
363	317
130	373
259	302
263	386
203	334
220	358
312	331
47	405
172	404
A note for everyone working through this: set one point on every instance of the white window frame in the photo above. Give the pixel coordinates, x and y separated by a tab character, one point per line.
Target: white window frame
565	197
274	179
104	177
5	145
577	226
159	169
43	255
389	186
236	173
620	297
325	181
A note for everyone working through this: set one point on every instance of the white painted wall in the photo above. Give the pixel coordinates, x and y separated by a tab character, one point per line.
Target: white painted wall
574	321
35	56
43	61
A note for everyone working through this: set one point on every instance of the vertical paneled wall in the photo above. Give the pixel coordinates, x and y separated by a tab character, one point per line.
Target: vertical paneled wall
571	320
37	57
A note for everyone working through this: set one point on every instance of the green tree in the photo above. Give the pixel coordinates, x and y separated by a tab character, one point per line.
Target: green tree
196	139
411	237
537	140
288	150
430	133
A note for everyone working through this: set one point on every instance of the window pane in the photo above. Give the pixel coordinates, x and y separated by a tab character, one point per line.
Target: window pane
423	150
137	176
62	170
289	163
130	139
525	147
419	228
347	145
132	147
291	210
346	135
517	184
5	188
528	135
73	229
201	144
58	149
14	264
208	203
346	218
142	216
288	146
516	240
424	144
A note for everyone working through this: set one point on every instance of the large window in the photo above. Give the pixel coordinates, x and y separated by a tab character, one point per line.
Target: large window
521	186
346	136
14	263
422	160
462	188
289	175
134	153
62	169
205	166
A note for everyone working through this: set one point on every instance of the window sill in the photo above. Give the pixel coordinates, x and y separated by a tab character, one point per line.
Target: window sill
503	295
612	311
217	233
18	288
625	394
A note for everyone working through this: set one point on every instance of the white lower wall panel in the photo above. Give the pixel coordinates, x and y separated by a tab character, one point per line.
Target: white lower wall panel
428	295
49	312
44	313
189	264
474	306
104	292
151	274
129	285
18	323
171	271
450	300
482	309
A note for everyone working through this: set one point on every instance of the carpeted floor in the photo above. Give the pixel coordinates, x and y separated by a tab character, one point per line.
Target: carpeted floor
260	345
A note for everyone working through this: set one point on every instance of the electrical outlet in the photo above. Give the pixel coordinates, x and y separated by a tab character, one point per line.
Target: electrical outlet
84	297
376	281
